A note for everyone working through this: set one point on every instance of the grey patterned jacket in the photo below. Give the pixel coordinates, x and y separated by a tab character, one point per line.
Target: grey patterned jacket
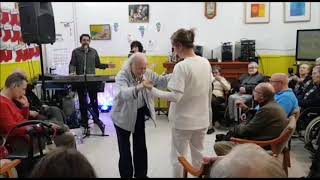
125	105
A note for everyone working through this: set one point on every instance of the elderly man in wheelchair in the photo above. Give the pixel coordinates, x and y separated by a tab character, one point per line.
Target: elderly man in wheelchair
24	139
309	102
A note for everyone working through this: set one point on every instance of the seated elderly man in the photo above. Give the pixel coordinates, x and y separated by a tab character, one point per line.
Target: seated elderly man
299	82
247	83
132	103
284	95
311	97
11	115
268	122
247	161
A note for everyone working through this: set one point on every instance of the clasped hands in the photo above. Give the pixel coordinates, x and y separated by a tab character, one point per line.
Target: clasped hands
147	84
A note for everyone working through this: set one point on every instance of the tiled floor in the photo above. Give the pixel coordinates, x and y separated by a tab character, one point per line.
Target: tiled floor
102	152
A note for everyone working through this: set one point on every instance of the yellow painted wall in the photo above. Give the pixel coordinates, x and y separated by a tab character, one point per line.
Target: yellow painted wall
269	64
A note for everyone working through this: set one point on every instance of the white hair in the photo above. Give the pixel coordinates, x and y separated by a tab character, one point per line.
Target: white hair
247	160
132	59
318	61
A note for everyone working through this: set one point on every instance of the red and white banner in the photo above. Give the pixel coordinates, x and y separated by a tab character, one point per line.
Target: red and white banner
12	48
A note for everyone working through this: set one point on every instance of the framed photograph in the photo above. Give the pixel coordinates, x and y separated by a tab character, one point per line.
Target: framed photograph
257	12
100	31
297	11
139	13
210	9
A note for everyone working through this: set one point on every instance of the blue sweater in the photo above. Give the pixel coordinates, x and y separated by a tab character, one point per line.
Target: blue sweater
287	101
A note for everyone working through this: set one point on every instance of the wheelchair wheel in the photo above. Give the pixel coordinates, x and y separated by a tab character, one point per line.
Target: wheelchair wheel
312	132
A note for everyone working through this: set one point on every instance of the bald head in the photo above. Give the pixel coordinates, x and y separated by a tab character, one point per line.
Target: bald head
279	81
264	92
247	161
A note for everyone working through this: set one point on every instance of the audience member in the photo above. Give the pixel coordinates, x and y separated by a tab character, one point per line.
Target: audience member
135	46
11	115
284	95
311	94
317	61
268	122
299	82
63	163
220	86
247	161
247	83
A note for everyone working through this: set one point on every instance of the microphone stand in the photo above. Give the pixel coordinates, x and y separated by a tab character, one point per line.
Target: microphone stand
95	117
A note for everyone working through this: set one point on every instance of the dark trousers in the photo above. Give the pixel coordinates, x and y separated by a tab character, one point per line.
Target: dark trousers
140	156
216	107
82	93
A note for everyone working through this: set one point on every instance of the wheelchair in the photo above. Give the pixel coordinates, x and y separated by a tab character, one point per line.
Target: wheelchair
30	147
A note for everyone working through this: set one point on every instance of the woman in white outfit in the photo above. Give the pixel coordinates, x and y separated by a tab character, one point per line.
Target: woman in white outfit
190	97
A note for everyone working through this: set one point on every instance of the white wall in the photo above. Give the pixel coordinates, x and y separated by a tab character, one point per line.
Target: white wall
228	25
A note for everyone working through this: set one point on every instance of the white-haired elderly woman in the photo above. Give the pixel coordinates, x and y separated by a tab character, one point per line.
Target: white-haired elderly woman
131	104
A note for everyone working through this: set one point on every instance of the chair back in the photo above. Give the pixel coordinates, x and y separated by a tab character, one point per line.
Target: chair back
282	141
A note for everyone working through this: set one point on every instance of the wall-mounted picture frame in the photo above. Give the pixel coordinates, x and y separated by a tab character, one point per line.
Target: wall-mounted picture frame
297	12
257	12
210	9
138	13
100	31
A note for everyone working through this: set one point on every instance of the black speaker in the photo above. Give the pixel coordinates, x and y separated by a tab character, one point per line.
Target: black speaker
226	52
37	22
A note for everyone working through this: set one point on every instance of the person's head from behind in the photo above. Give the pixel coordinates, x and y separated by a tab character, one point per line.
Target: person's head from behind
263	93
136	46
16	85
317	61
85	40
247	161
305	69
138	64
216	71
279	81
63	162
316	75
253	68
182	40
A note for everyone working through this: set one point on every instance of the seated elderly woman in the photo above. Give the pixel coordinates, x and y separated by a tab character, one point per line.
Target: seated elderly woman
247	161
220	86
248	82
299	82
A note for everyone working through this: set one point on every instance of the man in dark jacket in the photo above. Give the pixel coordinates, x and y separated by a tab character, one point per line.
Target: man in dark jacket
268	123
247	83
85	60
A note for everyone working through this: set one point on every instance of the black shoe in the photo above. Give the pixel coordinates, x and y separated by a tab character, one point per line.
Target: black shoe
210	131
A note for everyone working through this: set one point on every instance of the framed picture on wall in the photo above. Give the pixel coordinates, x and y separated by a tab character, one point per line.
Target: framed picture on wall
257	12
210	9
297	11
100	31
139	13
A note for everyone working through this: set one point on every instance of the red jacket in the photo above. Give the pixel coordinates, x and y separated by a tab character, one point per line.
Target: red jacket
10	116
